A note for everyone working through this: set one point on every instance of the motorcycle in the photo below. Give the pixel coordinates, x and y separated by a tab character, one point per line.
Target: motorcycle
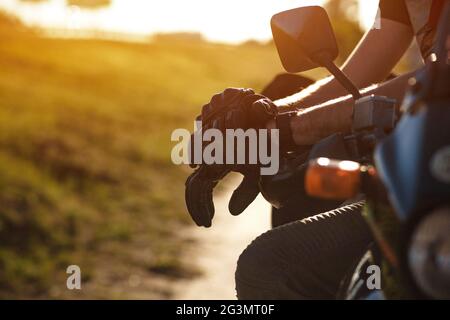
397	157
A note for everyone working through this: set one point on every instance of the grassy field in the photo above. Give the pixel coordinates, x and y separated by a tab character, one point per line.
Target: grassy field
85	170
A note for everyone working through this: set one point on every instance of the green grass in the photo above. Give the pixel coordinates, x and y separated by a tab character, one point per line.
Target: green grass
85	170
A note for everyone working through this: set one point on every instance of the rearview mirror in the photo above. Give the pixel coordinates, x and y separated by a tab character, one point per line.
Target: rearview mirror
304	38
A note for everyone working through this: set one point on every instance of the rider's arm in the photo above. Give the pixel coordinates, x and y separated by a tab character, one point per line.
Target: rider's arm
312	124
371	62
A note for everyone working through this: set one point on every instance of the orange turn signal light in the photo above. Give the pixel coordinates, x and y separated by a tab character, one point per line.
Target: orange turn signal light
333	179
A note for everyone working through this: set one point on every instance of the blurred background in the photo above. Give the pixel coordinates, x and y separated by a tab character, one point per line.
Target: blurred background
90	91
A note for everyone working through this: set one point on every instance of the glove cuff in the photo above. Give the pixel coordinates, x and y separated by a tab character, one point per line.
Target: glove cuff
283	123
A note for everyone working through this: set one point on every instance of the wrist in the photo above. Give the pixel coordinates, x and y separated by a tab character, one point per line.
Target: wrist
283	123
300	129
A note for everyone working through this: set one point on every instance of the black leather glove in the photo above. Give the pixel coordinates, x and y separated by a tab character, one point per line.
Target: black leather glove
231	109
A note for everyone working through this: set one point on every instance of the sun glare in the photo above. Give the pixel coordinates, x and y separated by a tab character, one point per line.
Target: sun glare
226	21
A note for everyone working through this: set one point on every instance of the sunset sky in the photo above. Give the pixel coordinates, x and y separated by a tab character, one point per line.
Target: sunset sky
219	20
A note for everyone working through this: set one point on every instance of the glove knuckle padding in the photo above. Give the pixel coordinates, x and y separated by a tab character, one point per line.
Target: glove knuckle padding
217	99
247	110
232	91
263	109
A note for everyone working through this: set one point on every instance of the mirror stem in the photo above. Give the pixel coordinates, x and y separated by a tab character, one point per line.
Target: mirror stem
339	75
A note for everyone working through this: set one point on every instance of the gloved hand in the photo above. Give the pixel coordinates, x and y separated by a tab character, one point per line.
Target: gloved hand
232	109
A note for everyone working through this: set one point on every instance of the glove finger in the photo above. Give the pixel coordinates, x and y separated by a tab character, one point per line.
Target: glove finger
199	213
189	199
244	195
205	196
206	201
199	200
